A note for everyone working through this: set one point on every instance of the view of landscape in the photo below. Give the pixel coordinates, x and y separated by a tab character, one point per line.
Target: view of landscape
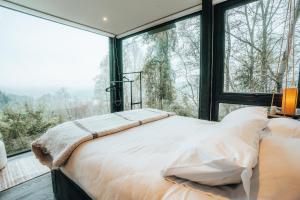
169	58
50	73
256	47
256	50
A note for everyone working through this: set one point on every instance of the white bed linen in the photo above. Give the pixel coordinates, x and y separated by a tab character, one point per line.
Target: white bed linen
226	155
284	127
128	164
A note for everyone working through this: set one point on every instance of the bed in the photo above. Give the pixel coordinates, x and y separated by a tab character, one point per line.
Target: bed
127	165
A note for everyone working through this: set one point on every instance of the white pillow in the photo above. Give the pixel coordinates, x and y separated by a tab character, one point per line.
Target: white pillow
258	114
226	155
277	174
284	127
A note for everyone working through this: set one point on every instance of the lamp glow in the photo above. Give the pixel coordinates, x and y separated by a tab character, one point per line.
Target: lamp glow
289	101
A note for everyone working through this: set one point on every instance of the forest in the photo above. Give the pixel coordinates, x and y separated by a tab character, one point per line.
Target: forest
170	61
24	118
256	48
257	42
259	36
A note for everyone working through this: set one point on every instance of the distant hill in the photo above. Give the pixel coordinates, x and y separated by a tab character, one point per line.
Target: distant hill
6	99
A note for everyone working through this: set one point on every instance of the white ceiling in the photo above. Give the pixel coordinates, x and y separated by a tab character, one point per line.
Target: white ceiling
122	15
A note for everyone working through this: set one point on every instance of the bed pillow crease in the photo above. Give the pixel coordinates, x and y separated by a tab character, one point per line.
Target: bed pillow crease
224	154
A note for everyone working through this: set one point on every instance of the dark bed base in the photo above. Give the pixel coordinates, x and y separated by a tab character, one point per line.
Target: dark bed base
65	189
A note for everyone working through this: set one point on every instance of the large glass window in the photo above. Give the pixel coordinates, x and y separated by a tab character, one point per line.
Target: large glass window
255	49
255	36
49	73
170	60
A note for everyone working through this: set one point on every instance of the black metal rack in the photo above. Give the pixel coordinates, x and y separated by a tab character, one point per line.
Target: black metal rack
127	80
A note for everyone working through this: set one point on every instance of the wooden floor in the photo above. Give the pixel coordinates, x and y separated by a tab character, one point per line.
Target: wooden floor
19	169
39	188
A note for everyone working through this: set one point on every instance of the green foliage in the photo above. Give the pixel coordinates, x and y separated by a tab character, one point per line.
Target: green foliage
20	125
169	59
157	70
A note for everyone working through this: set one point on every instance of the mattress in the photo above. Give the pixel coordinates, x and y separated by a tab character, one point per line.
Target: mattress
128	164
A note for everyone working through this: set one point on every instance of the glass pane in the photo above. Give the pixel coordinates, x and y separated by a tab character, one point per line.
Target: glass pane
255	48
225	108
170	60
50	73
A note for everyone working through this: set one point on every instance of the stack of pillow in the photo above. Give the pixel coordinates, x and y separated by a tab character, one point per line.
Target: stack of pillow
228	152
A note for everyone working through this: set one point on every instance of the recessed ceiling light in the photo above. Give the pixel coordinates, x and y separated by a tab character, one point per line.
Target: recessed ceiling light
104	19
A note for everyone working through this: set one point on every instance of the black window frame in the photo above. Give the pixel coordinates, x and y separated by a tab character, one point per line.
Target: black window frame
218	94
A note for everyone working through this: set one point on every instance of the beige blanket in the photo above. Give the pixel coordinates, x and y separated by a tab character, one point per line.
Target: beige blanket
55	146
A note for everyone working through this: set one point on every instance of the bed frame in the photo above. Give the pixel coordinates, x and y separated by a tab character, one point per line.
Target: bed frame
65	189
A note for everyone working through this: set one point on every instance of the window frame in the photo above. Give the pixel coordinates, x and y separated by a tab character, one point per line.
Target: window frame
197	13
218	94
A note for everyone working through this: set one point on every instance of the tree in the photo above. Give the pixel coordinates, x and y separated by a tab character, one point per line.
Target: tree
253	41
170	61
102	81
255	47
286	53
157	69
187	52
19	126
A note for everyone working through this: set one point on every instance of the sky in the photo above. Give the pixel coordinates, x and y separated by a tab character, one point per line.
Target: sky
37	55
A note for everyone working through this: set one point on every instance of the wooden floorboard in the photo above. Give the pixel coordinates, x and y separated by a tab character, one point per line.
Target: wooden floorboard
39	188
20	169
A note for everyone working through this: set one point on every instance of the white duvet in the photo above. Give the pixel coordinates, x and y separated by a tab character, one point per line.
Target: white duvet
128	164
55	146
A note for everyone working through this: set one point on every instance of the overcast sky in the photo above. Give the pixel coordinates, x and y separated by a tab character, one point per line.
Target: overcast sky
37	53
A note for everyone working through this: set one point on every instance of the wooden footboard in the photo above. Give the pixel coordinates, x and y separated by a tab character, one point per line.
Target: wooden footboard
65	189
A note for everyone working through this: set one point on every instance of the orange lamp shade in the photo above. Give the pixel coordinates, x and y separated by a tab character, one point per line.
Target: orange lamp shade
289	101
